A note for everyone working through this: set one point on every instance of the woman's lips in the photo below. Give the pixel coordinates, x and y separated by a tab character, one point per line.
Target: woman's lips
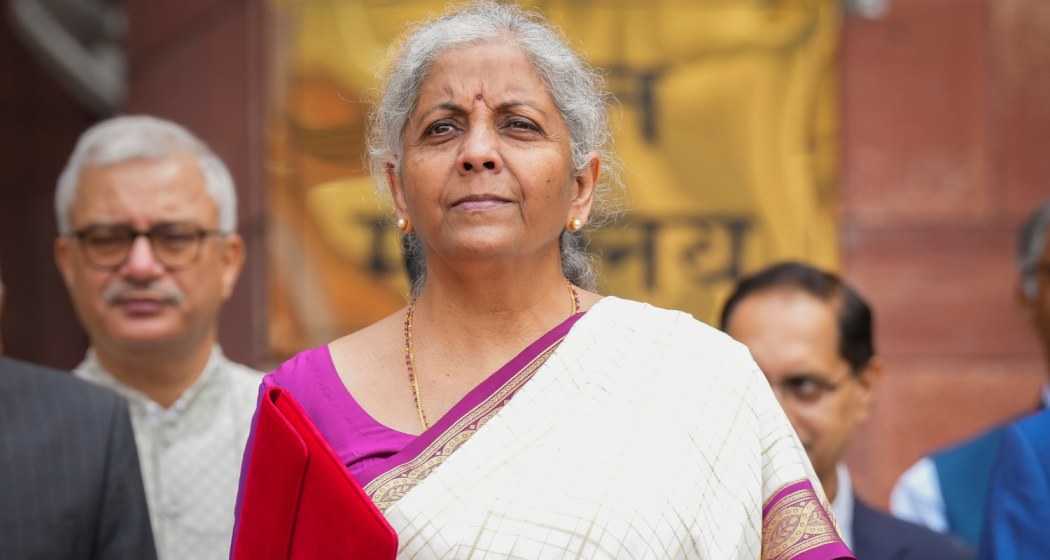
480	203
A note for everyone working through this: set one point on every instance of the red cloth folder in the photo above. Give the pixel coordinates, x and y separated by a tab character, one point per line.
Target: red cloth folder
298	500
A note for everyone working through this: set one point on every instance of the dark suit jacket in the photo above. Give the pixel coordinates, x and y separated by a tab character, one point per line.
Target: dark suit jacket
880	536
1017	515
70	485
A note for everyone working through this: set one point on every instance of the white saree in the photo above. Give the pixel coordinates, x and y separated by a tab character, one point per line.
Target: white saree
645	434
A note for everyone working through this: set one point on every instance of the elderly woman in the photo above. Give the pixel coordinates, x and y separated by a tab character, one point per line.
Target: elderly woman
509	411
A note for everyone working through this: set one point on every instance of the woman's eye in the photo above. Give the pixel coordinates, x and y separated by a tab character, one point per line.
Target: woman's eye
439	129
522	124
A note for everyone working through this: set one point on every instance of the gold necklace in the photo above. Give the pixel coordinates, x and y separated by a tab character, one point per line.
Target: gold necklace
410	361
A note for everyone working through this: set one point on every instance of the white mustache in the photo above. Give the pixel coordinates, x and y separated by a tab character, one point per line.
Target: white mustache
121	290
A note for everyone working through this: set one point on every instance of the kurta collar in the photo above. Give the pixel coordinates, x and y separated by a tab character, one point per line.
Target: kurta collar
91	370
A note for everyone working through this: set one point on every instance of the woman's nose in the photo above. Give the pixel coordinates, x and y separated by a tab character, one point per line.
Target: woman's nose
480	152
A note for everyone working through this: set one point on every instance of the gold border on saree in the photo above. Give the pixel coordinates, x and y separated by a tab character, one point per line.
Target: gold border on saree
389	487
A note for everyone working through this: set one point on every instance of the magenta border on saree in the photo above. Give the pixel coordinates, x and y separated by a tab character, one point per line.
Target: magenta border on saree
785	535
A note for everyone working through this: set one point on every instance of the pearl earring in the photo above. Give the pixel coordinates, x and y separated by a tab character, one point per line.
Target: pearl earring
574	225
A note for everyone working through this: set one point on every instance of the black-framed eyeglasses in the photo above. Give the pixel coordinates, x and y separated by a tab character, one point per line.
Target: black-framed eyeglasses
175	245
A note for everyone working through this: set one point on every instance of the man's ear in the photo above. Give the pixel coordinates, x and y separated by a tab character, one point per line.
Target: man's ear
584	183
869	379
232	262
64	259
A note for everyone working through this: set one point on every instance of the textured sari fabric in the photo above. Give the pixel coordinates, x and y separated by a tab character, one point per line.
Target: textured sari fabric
627	432
644	434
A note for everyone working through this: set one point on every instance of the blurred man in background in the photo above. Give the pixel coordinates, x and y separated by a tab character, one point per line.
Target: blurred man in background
947	490
70	486
812	336
148	251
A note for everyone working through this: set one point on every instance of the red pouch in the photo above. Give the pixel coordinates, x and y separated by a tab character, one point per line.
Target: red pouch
298	501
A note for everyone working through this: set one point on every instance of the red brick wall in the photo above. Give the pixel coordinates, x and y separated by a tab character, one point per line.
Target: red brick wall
946	150
40	124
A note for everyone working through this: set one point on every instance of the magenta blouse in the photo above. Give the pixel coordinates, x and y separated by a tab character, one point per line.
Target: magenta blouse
358	439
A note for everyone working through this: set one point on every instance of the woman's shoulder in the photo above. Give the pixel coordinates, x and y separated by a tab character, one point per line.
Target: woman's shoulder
370	347
301	368
683	350
358	344
697	371
676	328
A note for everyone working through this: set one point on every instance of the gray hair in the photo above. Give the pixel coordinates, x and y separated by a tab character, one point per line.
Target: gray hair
577	89
125	138
1031	243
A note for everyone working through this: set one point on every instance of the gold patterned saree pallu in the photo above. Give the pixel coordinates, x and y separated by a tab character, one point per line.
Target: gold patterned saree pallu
796	526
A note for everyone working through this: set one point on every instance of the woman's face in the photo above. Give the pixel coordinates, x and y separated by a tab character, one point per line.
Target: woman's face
487	171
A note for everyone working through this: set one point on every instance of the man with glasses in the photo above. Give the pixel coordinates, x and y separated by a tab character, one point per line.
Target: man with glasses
812	336
947	490
149	252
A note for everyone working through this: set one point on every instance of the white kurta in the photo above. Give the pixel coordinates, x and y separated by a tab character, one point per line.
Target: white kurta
190	454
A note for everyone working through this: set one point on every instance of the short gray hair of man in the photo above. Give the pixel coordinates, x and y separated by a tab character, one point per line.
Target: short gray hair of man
577	89
1031	243
130	137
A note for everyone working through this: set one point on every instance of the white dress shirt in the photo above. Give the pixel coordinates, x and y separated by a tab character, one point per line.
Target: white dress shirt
842	505
917	496
190	454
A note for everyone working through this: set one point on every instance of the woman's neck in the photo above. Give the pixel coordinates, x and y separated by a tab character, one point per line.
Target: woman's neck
505	302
